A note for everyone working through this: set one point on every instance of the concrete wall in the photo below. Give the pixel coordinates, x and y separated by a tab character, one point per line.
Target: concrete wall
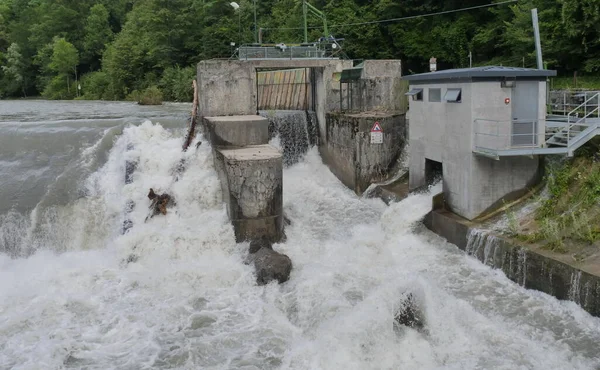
380	88
348	151
530	267
386	87
542	112
228	87
442	132
445	132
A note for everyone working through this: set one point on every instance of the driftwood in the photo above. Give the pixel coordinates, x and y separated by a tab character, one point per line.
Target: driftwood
192	130
159	203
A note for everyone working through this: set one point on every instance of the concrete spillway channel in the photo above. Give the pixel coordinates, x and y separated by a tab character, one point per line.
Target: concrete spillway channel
251	176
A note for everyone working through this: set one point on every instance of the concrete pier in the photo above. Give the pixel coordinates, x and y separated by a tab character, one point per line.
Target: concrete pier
252	183
251	175
237	130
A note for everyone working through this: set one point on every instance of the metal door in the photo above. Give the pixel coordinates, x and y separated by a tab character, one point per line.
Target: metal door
525	113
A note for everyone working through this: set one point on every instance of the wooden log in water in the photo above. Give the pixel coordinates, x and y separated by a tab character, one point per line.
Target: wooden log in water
192	130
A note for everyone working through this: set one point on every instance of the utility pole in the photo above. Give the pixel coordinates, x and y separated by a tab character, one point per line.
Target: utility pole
536	32
470	59
255	28
305	12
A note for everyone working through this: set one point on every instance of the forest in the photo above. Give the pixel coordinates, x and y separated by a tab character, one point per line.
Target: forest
114	49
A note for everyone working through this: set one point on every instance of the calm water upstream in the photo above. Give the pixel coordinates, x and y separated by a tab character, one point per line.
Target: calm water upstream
70	300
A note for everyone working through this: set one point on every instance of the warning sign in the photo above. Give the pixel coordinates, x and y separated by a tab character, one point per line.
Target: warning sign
376	134
376	128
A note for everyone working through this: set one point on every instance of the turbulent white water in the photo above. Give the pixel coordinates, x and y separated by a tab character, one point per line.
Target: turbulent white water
189	301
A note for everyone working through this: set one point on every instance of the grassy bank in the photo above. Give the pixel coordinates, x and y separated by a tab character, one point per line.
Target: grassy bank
564	218
570	83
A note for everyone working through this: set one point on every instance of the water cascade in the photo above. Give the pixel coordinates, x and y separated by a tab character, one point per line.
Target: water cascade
187	300
296	131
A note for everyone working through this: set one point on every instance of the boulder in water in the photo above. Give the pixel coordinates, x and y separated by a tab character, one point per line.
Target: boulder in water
409	314
269	264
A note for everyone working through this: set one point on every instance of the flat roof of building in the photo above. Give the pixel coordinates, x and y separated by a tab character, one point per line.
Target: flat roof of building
481	72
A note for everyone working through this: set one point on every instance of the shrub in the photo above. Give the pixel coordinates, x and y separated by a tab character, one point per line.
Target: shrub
150	96
176	83
55	89
96	86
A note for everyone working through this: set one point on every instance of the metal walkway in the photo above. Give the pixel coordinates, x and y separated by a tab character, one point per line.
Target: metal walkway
563	134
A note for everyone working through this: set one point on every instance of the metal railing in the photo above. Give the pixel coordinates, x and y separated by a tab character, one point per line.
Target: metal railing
562	102
576	124
496	135
280	52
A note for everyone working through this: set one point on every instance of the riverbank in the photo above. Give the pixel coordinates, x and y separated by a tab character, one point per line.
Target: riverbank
548	241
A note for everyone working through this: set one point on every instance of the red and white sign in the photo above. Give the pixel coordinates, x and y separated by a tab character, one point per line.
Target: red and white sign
506	100
376	128
376	134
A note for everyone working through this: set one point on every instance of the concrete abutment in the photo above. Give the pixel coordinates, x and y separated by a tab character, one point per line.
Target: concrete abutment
251	175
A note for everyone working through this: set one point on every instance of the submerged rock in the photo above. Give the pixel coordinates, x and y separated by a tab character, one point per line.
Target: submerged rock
269	264
127	224
130	167
409	314
256	245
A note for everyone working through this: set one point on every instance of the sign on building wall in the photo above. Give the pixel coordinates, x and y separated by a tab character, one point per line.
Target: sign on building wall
376	134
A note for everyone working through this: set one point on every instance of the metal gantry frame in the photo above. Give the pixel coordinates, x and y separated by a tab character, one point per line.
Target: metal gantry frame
306	8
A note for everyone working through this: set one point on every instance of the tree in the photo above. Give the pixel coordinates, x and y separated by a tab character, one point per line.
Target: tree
65	59
14	70
98	35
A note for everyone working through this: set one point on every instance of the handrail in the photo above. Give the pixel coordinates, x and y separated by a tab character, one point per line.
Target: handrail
505	140
582	119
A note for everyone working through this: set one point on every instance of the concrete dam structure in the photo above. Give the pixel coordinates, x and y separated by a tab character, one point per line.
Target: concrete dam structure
231	95
481	131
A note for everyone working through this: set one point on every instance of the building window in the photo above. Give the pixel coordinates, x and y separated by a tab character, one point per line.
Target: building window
435	95
417	94
453	95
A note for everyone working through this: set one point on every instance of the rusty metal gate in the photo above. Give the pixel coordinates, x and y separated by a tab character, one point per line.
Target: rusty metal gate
285	89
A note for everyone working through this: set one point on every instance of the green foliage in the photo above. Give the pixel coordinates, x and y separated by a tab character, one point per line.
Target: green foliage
98	34
568	213
176	83
13	71
137	44
96	86
57	89
581	82
513	222
550	232
150	96
65	57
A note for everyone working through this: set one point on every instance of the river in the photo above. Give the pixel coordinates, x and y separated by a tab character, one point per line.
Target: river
174	292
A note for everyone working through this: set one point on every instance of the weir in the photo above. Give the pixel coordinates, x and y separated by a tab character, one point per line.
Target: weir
296	130
233	92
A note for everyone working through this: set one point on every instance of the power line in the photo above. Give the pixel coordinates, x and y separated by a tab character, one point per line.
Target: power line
402	18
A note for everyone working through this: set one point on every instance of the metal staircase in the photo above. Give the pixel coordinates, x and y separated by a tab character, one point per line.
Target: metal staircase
563	134
578	130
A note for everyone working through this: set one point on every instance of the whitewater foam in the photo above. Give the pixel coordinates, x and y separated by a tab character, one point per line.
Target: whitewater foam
188	301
